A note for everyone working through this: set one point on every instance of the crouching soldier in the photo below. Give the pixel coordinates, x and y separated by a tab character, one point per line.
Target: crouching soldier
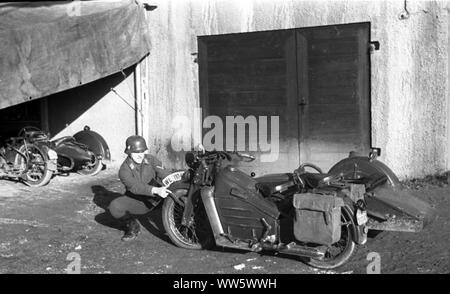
138	173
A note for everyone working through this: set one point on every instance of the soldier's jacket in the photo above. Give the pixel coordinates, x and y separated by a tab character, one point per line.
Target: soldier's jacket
139	179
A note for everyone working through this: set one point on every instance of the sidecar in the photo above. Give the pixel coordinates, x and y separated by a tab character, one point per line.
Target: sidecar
337	209
389	206
85	152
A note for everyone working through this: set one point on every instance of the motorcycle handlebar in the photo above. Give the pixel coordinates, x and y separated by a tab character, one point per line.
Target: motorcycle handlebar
226	154
245	155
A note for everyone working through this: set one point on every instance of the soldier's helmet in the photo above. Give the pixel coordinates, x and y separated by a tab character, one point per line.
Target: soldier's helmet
135	144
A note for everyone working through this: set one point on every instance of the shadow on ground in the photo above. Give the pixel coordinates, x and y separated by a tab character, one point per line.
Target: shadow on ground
151	221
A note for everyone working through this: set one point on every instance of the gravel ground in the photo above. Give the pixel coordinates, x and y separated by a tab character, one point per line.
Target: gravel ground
41	227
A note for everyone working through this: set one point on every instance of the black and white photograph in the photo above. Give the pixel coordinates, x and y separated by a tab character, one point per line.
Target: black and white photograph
224	144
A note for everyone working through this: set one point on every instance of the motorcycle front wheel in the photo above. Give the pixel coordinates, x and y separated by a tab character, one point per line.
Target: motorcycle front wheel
340	252
197	235
37	172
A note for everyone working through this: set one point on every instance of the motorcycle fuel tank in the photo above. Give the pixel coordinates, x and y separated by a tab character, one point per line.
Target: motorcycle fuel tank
244	213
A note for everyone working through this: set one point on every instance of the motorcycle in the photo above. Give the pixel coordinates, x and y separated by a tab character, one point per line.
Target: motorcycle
33	158
28	158
319	217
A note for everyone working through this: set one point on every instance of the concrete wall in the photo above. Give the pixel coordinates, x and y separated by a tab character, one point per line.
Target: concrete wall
94	104
410	101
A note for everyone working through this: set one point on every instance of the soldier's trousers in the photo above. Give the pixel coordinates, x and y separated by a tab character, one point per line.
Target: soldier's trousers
126	206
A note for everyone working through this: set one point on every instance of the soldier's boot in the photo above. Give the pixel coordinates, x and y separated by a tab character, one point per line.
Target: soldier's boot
131	228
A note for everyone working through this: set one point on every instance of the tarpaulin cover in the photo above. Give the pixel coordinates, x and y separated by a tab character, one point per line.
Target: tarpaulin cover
48	47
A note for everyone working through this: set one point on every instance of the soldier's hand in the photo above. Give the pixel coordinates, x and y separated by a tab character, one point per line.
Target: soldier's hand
160	191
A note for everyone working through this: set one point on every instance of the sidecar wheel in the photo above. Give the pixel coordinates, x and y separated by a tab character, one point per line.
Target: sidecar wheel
196	237
92	168
345	246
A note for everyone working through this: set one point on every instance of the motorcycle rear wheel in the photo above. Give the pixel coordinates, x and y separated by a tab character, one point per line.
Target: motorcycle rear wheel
198	235
346	245
38	174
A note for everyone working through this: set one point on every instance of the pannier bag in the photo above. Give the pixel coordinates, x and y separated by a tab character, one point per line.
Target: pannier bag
317	218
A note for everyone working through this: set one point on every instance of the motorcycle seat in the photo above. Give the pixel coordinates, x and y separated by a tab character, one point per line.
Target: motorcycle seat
64	139
267	184
266	188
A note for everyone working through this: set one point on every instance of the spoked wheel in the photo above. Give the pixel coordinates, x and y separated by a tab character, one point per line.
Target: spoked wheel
340	252
37	173
198	234
93	167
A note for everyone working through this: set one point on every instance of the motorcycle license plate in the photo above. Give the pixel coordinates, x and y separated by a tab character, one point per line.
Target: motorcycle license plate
361	217
174	177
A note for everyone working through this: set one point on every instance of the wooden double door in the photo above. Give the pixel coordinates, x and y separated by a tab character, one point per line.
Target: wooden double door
315	80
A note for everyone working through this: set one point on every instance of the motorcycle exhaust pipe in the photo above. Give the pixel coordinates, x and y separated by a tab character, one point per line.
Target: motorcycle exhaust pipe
294	249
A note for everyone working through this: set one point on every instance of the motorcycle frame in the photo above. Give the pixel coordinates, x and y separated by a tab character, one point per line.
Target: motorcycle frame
201	177
201	182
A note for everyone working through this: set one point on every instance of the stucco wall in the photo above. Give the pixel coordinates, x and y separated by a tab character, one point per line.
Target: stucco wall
410	101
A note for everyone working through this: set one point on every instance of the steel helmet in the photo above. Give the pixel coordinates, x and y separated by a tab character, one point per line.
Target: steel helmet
135	144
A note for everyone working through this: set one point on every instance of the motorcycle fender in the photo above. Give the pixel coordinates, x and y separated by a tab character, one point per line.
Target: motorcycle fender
95	142
52	165
363	167
52	157
359	233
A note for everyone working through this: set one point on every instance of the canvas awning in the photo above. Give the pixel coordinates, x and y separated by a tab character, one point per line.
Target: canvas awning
48	47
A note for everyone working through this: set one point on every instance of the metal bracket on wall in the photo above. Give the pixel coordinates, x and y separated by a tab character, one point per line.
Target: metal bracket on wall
374	46
195	54
405	13
148	5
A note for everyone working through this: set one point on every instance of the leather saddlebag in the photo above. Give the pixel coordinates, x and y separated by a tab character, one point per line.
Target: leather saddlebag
317	218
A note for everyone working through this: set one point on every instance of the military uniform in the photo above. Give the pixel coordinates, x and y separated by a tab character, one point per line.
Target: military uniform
139	179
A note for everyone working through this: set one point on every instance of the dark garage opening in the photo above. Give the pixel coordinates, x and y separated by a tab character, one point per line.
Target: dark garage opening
13	118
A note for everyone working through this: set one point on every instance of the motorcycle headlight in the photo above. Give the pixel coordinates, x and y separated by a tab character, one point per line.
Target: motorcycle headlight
189	157
52	155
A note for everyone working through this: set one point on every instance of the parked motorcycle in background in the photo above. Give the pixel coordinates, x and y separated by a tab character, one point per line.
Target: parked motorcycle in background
28	158
32	158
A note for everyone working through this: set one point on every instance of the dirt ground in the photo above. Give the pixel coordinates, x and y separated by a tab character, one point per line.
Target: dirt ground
40	227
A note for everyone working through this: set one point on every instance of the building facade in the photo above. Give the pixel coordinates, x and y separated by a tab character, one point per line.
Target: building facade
409	84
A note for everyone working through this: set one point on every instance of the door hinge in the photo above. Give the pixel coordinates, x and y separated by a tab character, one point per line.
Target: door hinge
374	46
302	102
